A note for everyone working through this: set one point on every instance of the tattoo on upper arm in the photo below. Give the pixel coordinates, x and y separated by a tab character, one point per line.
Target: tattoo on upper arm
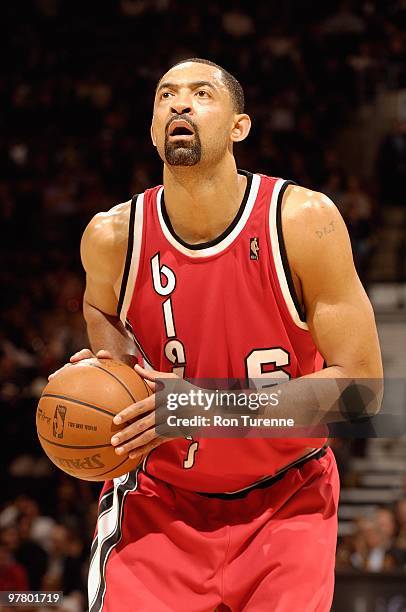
327	229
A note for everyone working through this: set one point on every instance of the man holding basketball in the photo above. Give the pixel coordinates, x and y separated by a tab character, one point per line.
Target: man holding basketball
224	274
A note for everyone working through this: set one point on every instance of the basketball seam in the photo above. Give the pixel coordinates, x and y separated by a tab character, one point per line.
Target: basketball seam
94	365
146	386
86	447
113	468
71	445
76	401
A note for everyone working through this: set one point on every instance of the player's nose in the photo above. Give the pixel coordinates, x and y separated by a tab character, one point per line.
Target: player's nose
180	108
182	102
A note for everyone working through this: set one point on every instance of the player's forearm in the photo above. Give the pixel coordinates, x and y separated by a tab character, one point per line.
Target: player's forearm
329	396
107	332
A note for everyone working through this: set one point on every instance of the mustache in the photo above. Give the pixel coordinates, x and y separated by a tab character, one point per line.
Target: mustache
183	118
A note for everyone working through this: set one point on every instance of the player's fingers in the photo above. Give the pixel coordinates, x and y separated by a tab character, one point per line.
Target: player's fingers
153	375
83	354
135	410
148	448
102	354
147	374
51	376
133	430
151	385
135	443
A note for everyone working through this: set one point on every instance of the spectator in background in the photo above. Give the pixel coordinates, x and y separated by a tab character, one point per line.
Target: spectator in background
400	540
345	21
40	526
25	551
13	576
370	547
66	561
373	547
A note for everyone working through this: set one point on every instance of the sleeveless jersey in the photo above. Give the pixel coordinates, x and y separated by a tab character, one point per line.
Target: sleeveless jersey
223	309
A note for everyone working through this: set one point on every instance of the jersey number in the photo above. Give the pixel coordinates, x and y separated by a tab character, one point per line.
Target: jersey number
255	364
259	359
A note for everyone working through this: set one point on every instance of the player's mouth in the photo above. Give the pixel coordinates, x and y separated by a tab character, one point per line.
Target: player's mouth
180	129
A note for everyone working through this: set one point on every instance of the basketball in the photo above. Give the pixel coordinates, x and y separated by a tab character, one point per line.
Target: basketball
75	417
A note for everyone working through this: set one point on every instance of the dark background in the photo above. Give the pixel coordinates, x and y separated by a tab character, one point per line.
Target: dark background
324	84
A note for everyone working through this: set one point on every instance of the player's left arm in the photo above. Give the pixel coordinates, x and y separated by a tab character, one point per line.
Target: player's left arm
338	311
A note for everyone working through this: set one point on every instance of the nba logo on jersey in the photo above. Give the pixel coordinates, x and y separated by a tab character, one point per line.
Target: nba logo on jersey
254	249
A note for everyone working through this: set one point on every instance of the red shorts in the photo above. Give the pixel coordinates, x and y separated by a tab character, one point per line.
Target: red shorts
163	549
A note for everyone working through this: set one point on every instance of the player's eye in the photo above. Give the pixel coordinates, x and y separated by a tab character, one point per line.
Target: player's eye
165	95
202	93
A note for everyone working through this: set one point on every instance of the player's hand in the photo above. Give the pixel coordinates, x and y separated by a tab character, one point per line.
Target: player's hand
79	356
142	431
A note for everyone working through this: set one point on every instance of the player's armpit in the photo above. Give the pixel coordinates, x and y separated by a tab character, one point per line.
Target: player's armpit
338	311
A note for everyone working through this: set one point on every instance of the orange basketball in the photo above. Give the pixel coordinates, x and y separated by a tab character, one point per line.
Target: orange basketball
75	417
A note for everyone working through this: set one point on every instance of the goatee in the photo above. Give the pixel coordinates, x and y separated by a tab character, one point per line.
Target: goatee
183	152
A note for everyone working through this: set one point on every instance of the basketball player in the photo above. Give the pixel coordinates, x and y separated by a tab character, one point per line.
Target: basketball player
226	274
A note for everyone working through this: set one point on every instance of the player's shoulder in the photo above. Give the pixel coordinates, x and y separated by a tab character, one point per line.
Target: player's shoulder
306	212
309	219
110	227
301	203
105	238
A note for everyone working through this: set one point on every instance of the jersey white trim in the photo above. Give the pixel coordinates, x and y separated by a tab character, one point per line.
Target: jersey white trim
221	246
134	257
276	253
108	536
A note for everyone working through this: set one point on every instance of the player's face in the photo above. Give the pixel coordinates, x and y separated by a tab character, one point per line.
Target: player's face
193	115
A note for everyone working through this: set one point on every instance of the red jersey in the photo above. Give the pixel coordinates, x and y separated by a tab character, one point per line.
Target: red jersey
223	309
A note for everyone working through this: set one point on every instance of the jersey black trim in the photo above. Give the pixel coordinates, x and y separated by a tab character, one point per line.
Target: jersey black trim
128	258
137	343
105	502
283	253
271	480
210	243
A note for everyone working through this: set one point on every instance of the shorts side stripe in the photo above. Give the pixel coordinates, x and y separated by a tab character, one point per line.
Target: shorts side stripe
109	533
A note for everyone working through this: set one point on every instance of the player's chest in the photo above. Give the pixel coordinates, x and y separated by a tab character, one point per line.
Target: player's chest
209	317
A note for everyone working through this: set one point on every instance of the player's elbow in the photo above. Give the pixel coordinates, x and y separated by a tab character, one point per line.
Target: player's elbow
363	394
376	388
361	398
370	377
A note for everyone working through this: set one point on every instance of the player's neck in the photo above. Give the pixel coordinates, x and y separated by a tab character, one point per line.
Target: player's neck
202	202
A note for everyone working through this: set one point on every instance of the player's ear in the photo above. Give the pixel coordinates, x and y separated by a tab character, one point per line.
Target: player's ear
241	127
152	135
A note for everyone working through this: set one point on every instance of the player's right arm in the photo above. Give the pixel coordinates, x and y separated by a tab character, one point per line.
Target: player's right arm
103	250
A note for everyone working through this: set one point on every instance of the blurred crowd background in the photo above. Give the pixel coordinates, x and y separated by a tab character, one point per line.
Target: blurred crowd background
325	84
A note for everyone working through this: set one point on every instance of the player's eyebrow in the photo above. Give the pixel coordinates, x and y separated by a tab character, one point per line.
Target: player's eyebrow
192	85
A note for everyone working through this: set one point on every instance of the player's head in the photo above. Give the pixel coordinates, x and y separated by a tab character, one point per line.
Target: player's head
198	114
